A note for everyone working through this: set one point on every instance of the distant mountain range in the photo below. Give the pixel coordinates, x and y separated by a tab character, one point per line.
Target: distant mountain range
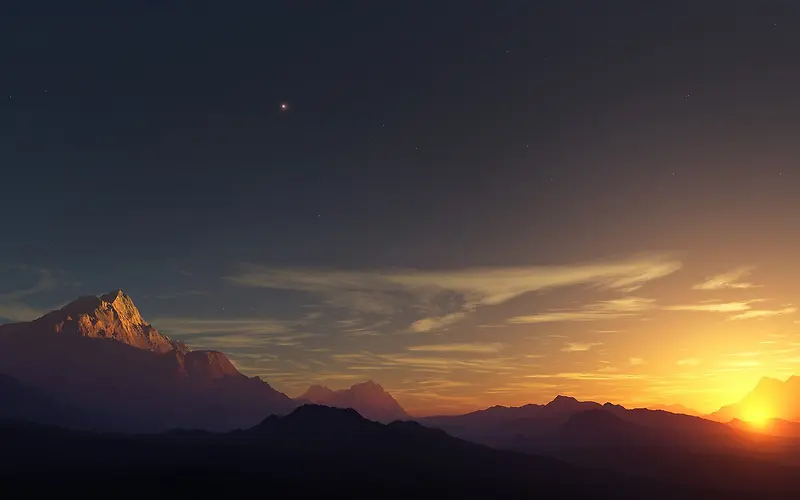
770	399
567	422
97	364
368	398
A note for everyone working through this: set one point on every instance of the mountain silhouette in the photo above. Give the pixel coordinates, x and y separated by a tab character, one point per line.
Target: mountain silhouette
314	451
545	428
98	355
770	399
369	399
676	408
501	425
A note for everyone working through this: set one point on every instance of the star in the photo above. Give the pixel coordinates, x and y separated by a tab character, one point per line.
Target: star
284	106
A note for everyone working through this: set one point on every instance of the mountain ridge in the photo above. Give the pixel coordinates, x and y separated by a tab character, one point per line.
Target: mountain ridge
368	398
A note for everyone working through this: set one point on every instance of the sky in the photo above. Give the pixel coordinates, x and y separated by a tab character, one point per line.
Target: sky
469	203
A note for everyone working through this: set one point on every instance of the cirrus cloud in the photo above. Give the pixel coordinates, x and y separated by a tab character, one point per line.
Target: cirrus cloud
731	279
390	291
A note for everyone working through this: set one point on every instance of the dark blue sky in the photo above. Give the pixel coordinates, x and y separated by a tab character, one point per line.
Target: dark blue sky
143	145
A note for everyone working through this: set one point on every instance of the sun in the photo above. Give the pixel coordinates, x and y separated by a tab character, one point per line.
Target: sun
757	416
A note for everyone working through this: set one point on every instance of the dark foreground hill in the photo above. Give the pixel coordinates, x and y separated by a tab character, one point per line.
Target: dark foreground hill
313	452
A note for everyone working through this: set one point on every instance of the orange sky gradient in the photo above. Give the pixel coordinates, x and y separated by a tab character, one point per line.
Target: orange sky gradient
639	331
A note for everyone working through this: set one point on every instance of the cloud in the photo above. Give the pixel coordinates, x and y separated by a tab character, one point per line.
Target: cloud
625	307
388	292
477	348
744	309
11	306
195	326
589	376
17	311
750	363
437	323
579	346
762	313
688	362
239	334
727	280
636	361
711	307
367	361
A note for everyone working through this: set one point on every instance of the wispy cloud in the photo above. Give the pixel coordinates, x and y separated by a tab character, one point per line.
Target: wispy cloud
437	323
749	363
11	305
636	361
589	376
731	279
580	346
462	347
389	291
238	334
186	326
711	307
372	362
743	308
625	307
763	313
17	311
688	362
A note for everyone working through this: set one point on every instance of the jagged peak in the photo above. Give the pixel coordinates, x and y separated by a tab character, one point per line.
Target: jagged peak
113	316
317	392
117	300
561	399
368	385
114	295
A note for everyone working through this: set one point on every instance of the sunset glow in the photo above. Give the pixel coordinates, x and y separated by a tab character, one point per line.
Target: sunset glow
758	417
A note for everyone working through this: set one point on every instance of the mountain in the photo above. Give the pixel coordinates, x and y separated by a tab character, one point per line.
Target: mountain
566	421
20	401
655	444
676	408
770	399
313	452
772	427
100	357
110	316
369	399
501	426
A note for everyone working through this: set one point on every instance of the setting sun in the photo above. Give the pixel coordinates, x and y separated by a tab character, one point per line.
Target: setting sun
758	416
